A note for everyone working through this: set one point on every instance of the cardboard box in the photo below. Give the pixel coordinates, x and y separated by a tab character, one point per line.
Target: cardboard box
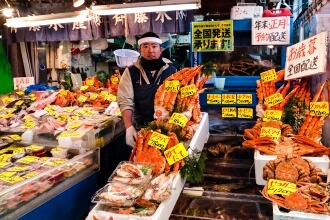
261	160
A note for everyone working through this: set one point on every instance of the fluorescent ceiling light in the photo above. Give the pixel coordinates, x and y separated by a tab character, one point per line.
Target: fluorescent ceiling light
155	6
8	12
40	20
77	3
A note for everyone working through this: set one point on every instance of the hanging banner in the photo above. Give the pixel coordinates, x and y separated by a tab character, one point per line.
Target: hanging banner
270	31
212	36
307	57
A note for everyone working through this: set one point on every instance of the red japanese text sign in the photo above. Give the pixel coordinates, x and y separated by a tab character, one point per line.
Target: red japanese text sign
270	31
307	57
20	83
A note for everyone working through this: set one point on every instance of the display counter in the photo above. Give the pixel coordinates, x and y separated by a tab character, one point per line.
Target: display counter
165	208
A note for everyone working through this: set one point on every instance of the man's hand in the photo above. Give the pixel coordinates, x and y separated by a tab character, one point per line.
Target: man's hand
130	136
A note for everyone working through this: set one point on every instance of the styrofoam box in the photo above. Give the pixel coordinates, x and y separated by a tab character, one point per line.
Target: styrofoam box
245	12
164	210
294	215
260	161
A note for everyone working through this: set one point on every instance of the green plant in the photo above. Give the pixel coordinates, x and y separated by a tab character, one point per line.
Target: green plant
208	68
193	170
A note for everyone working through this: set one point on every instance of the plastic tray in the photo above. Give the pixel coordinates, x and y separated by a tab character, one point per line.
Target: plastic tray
261	160
127	177
294	215
117	194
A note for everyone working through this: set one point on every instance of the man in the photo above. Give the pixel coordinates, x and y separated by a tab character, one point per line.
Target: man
139	83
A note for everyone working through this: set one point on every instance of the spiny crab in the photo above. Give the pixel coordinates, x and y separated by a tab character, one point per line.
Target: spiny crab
293	169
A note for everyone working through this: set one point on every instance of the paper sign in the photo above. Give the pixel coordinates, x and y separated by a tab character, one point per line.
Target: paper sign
29	124
213	99
83	88
110	97
76	134
271	132
228	99
175	153
274	99
271	31
319	108
178	119
244	99
82	98
20	83
280	187
245	113
158	140
272	115
19	102
188	90
64	93
228	112
268	76
89	82
308	57
172	86
114	80
212	36
93	96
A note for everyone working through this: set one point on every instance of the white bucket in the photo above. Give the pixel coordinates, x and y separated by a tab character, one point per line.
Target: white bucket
126	57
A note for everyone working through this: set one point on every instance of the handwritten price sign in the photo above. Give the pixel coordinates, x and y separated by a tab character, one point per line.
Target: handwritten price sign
272	115
158	140
244	99
269	75
82	98
89	82
188	91
271	132
245	113
229	112
319	108
228	99
281	187
172	86
274	99
176	153
178	119
213	99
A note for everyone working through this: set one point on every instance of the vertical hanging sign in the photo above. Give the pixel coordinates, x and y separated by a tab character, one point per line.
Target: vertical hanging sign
308	57
270	31
212	36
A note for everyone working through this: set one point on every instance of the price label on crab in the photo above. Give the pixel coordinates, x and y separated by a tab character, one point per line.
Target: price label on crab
93	96
272	115
245	113
244	99
319	108
82	98
274	99
19	102
228	112
158	140
281	187
29	124
89	81
83	88
178	119
271	132
269	75
114	80
20	93
110	97
175	153
172	86
69	109
228	99
64	93
213	99
188	90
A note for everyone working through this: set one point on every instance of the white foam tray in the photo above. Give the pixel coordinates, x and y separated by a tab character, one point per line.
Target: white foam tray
164	210
260	161
294	215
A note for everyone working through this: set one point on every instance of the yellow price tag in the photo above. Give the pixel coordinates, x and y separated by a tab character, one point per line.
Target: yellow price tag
244	99
51	113
77	134
110	97
104	93
34	147
29	124
7	174
93	96
99	142
73	118
6	116
58	161
12	179
188	90
213	99
89	81
18	168
229	112
62	117
20	93
319	108
118	112
15	137
28	118
2	108
228	99
172	86
69	109
245	113
175	153
271	132
158	140
64	93
178	119
18	150
5	157
50	108
31	174
272	115
19	102
281	187
82	98
11	110
274	99
268	75
4	164
83	88
74	125
27	159
114	80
